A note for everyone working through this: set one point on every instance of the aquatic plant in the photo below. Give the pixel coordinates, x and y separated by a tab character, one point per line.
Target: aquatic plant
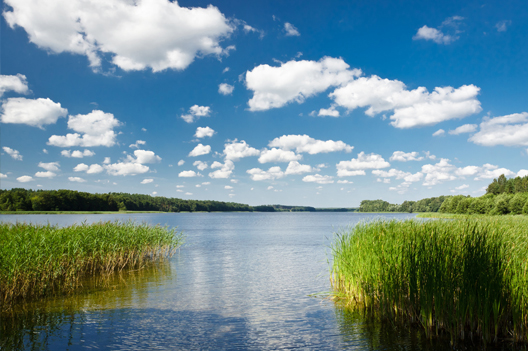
466	277
37	260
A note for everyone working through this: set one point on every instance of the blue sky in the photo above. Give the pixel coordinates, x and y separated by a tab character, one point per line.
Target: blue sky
264	102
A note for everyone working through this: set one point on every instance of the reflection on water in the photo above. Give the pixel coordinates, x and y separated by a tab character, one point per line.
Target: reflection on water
242	281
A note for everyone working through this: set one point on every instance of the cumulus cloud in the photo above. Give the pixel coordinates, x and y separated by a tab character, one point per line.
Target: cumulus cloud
271	174
278	155
145	156
438	173
225	170
463	186
439	132
328	112
47	174
228	187
15	154
398	174
200	165
275	87
236	150
195	112
356	166
290	30
181	162
405	156
304	143
137	144
49	166
16	83
295	167
344	182
147	181
411	108
32	112
189	174
428	33
126	168
319	179
93	129
136	35
509	130
2	175
225	89
77	153
76	179
492	172
92	169
200	150
522	173
25	179
466	128
202	132
502	26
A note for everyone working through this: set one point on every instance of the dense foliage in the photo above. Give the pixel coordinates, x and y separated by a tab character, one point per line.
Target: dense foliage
508	186
69	200
466	277
432	204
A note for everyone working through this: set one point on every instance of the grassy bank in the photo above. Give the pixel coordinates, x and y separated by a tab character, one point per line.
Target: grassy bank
72	212
464	277
38	260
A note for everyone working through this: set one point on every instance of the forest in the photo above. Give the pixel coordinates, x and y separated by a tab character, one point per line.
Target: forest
431	204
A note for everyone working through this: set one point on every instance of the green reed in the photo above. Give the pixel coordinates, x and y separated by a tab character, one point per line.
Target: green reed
38	260
466	277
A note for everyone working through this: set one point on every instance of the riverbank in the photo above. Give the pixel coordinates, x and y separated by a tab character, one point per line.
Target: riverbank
40	260
463	277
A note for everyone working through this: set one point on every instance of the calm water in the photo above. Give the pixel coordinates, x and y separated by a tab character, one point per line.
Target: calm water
241	281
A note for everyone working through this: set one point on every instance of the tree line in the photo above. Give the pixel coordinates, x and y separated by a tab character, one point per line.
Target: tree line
431	204
19	199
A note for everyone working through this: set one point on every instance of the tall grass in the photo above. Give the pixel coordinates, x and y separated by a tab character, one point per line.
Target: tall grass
36	260
466	277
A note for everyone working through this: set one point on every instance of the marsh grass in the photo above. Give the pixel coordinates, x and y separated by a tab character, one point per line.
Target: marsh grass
463	277
39	260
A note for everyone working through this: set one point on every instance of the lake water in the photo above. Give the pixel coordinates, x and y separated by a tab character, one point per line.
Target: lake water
241	282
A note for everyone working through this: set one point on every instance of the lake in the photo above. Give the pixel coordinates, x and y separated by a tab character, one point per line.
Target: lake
242	281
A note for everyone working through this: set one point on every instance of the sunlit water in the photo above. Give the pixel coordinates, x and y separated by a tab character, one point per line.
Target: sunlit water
241	281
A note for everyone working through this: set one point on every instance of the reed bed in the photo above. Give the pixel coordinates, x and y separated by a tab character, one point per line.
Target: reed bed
464	277
37	260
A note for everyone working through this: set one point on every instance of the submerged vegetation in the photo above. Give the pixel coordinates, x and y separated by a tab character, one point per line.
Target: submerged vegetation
464	277
38	260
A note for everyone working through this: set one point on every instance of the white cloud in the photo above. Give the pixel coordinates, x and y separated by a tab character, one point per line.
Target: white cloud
428	33
344	182
2	175
509	130
200	165
328	112
76	179
32	112
429	156
502	26
45	151
290	30
81	167
147	181
77	153
270	187
126	168
234	181
25	179
467	171
16	83
189	174
195	112
356	166
319	179
295	167
46	174
259	174
136	35
522	173
13	153
145	156
202	132
225	89
412	108
200	150
304	143
50	166
225	171
493	173
466	128
439	132
181	162
295	81
96	128
180	186
463	186
436	174
228	187
278	155
138	142
236	150
107	160
92	169
404	157
188	194
208	183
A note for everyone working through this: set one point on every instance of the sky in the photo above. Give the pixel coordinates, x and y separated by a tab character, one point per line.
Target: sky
264	102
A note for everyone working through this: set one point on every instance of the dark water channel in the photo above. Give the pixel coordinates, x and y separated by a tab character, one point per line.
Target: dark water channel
241	282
